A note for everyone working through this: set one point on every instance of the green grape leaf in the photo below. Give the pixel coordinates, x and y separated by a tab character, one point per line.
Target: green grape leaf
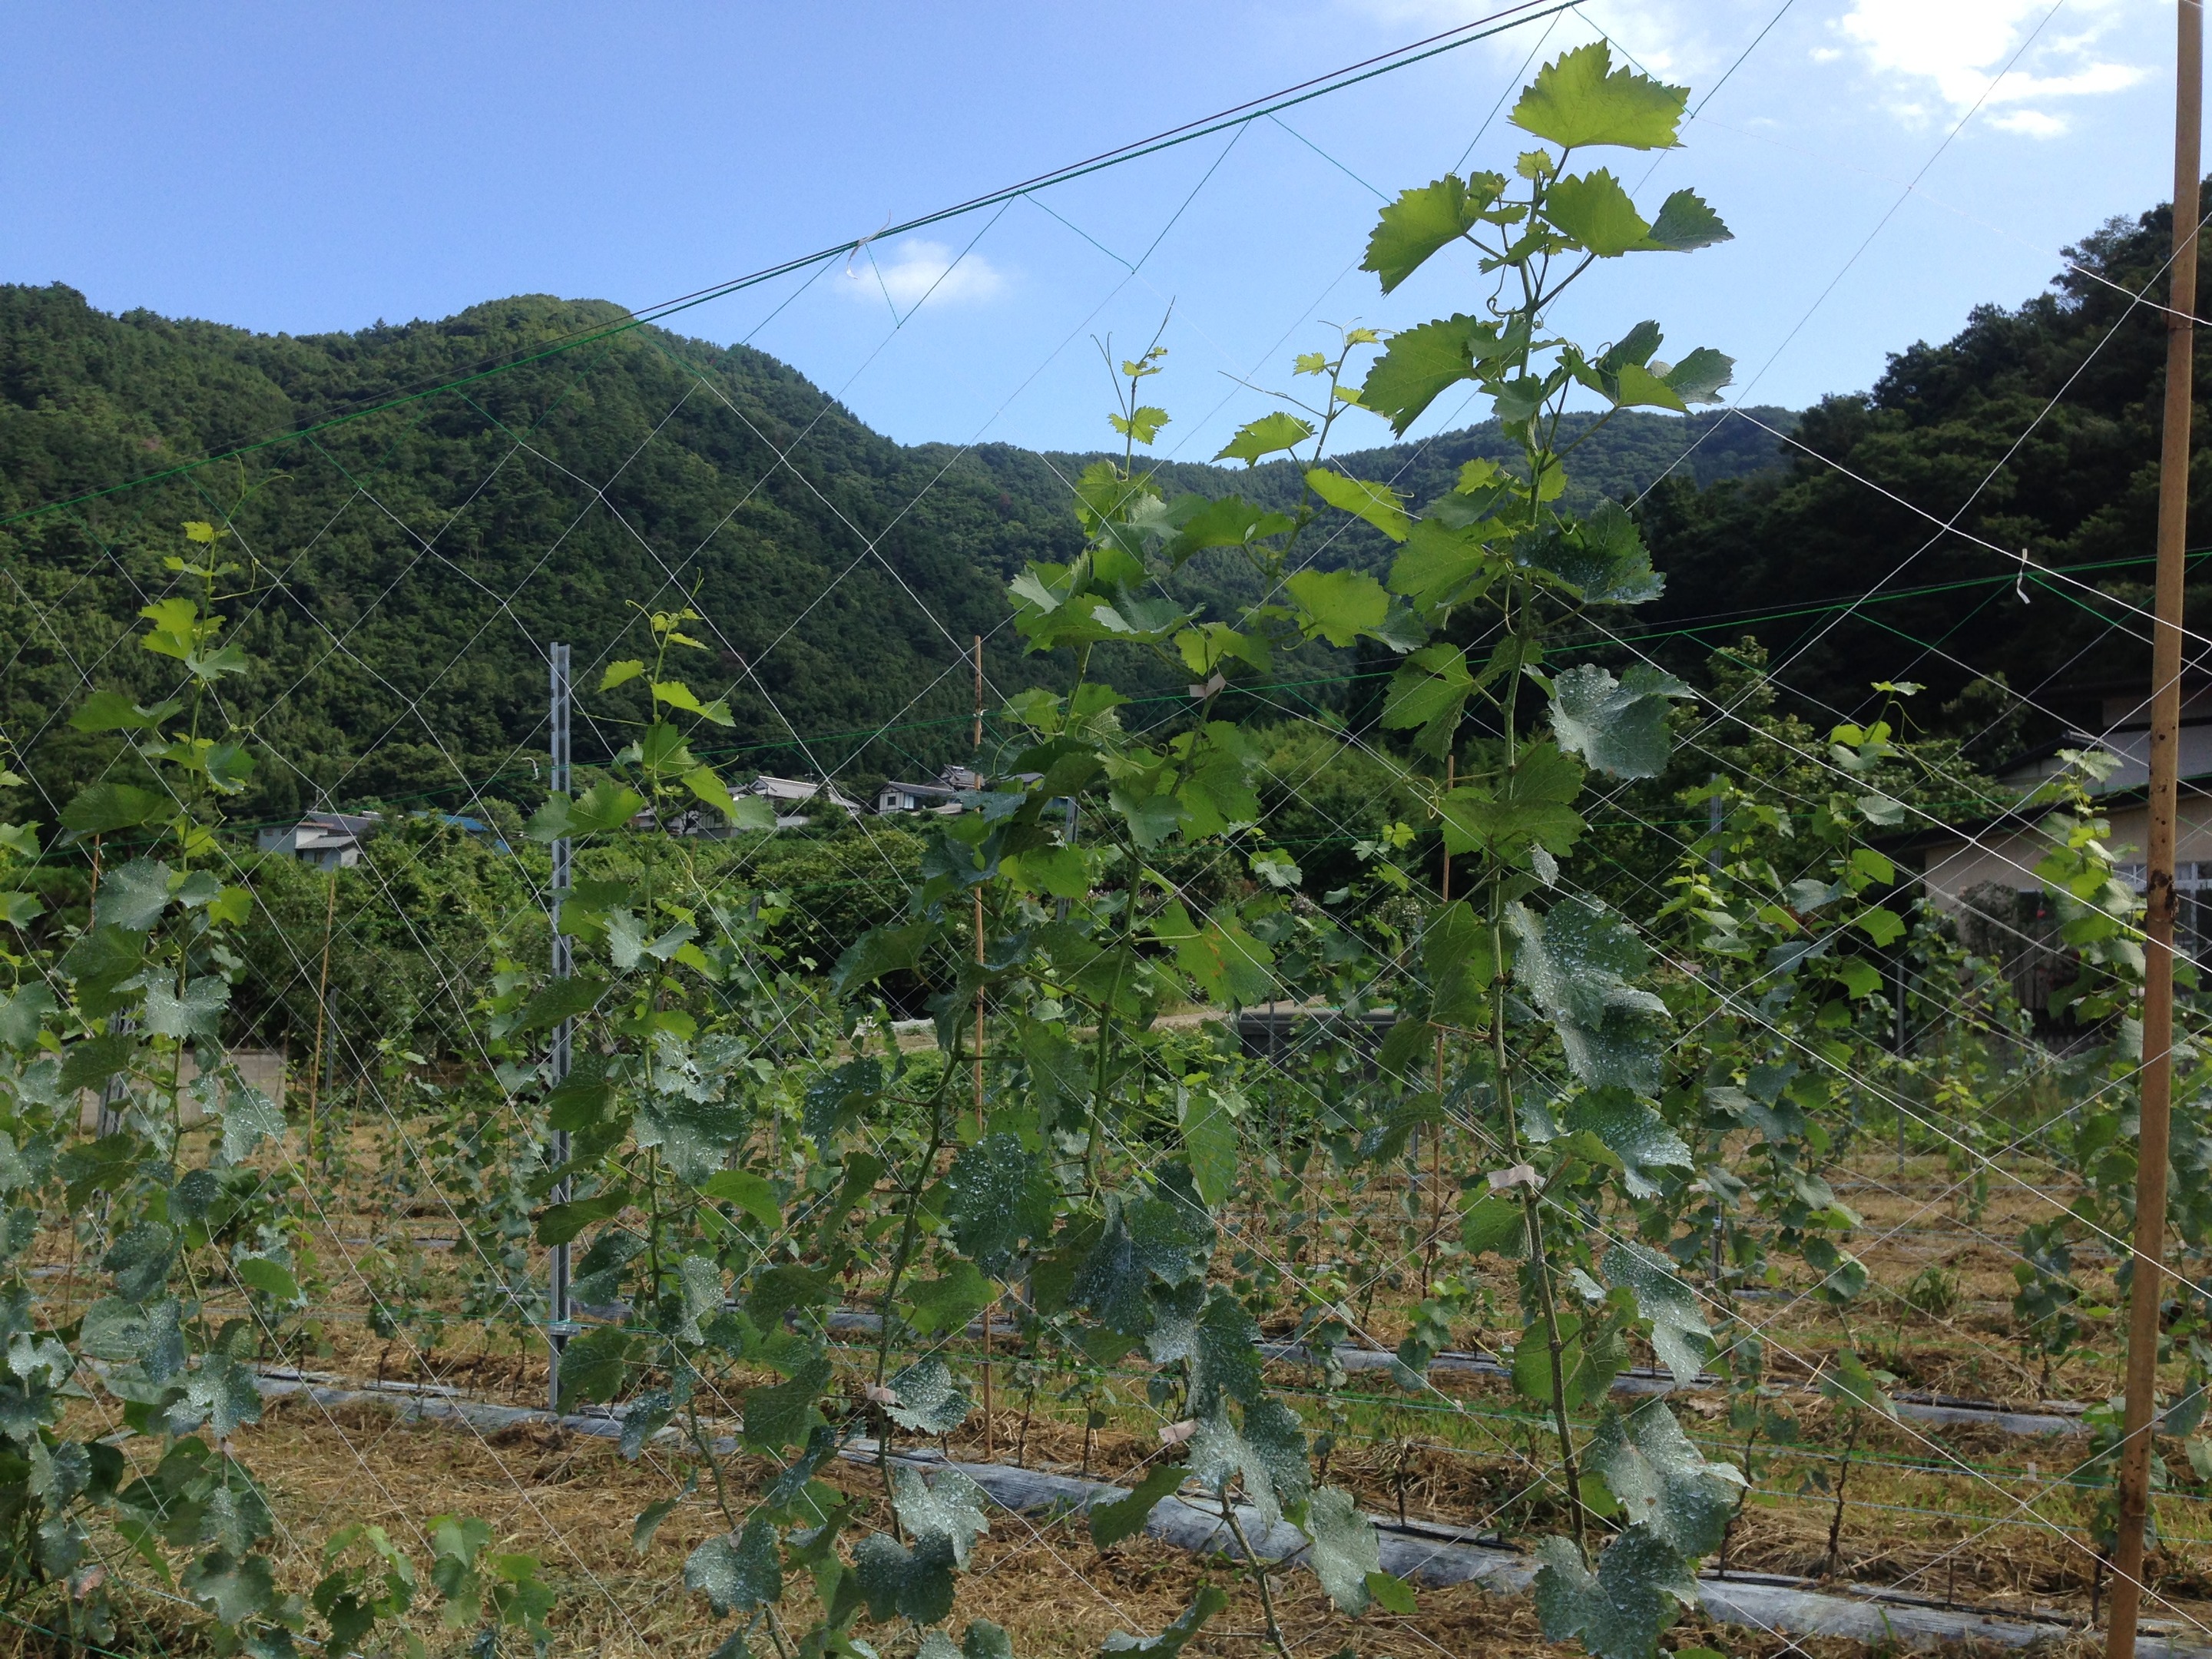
1392	1594
1619	726
1340	605
1602	557
997	1194
947	1304
140	1260
779	1414
1346	1550
114	1330
1423	220
1662	1481
1267	1451
1143	1239
554	1001
947	1505
196	1012
104	808
836	1096
1620	1611
984	1640
1527	808
228	766
743	812
1272	432
1209	1139
1229	522
1456	955
1848	1380
132	896
1228	963
1685	222
901	1583
595	1366
1590	1360
1698	378
1111	1522
1496	1226
1442	565
1883	927
699	1295
738	1571
232	1588
777	1291
221	1394
1639	388
1576	963
1595	211
1210	1600
620	673
1680	1335
928	1400
1861	979
1143	424
271	1278
753	1194
249	1118
882	950
1430	690
1420	364
677	695
21	909
1635	1134
1579	99
1376	503
605	805
694	1136
91	1063
112	711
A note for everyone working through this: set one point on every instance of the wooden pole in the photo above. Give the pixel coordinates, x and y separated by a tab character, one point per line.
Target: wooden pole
989	1446
1437	1130
2147	1279
322	1009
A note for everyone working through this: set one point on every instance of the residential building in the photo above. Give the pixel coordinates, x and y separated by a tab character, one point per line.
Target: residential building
329	841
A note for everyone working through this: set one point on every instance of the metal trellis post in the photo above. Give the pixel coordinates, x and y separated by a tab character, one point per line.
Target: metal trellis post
559	1327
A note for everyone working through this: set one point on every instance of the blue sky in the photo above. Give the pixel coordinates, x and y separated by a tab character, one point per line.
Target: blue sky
303	169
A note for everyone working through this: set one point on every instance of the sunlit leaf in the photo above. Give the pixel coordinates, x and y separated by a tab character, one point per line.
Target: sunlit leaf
1580	98
1420	364
1376	503
1340	605
1417	224
1278	430
1594	210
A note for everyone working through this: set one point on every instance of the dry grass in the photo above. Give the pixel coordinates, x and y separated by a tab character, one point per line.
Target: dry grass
1986	1526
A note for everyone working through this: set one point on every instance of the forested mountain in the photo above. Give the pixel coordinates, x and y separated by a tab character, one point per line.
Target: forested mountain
405	569
2037	426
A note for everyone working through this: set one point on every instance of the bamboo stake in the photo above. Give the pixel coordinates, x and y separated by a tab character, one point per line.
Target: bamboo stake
2148	1280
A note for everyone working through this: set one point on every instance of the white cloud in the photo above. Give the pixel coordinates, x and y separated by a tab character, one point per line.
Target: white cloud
2032	122
919	269
1954	47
